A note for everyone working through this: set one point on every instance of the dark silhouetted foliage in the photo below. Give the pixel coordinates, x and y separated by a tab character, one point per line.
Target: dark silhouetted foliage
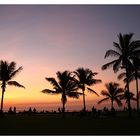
7	72
123	51
85	79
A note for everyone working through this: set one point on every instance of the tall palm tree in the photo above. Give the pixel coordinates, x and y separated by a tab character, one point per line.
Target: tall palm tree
134	74
85	79
112	93
125	49
7	72
66	86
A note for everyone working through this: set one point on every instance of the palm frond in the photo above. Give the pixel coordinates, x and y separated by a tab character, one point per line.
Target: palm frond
136	53
108	65
119	90
90	75
130	79
128	95
134	45
76	74
50	91
121	40
127	39
12	67
13	74
82	74
117	65
64	79
96	81
112	53
74	94
121	75
4	73
118	102
71	85
95	73
105	99
105	93
14	83
134	99
53	82
92	91
117	46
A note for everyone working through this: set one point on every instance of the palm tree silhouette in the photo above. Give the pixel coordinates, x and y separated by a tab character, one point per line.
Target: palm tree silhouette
124	51
112	93
7	72
66	86
126	95
134	74
84	77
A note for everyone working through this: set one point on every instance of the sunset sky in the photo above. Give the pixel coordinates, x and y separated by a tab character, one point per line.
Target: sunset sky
49	38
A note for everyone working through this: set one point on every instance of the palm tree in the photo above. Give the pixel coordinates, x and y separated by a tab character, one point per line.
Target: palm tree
125	96
85	79
134	74
124	51
7	72
112	93
66	86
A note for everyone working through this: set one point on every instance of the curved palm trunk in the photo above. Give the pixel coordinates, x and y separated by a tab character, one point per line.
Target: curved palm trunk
84	103
129	103
3	90
137	95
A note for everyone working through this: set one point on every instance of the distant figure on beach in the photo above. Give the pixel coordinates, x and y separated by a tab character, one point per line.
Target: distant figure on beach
34	110
10	110
59	110
94	110
30	110
15	110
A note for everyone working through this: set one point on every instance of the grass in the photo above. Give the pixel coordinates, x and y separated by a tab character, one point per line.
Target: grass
54	124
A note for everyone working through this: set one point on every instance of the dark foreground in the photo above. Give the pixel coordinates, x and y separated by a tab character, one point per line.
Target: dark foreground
54	124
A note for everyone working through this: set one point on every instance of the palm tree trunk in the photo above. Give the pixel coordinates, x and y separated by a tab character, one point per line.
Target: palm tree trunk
2	101
63	99
3	90
112	107
63	109
127	84
137	95
84	103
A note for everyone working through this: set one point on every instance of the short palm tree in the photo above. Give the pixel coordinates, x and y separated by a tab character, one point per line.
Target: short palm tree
125	96
85	79
66	86
7	72
112	93
124	50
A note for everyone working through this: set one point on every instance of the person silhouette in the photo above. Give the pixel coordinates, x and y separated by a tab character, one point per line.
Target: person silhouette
15	110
